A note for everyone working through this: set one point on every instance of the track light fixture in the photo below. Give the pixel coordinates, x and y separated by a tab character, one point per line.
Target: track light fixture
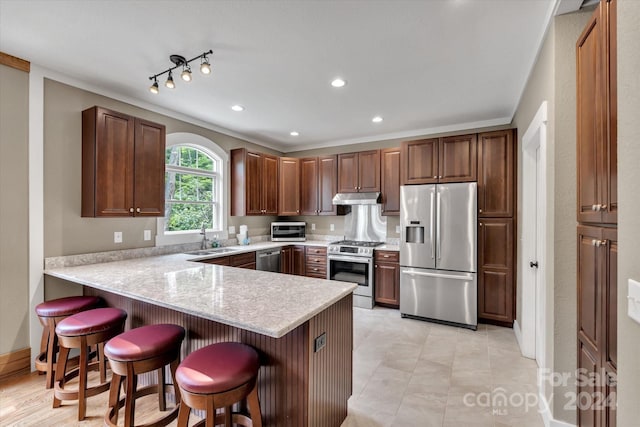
180	61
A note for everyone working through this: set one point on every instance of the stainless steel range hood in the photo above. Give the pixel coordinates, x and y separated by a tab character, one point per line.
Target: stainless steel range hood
356	199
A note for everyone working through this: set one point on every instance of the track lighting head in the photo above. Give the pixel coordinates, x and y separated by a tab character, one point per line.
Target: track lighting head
205	67
181	61
169	83
186	74
154	87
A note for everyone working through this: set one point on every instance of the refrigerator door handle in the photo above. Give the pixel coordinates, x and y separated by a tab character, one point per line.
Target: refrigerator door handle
438	226
433	242
440	275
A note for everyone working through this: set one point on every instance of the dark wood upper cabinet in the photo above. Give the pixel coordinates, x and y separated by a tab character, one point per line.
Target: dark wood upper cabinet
359	172
496	293
457	159
122	165
450	159
318	185
254	183
496	173
420	161
390	180
289	188
597	119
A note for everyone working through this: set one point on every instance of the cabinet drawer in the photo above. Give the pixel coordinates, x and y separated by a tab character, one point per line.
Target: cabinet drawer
318	271
316	250
387	256
241	259
317	261
218	261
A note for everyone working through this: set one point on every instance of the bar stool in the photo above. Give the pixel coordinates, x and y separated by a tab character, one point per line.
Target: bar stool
135	352
50	313
84	329
217	376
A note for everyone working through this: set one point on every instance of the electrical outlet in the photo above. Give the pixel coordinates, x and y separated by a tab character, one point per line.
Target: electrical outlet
117	237
332	227
319	342
397	229
232	229
147	234
313	227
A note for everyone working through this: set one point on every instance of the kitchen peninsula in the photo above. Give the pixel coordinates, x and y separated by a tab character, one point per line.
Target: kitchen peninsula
301	382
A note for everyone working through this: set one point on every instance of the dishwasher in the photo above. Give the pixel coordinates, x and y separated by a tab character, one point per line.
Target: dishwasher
268	260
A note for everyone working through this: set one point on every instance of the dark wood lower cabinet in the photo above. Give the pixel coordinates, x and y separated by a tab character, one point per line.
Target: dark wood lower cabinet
292	260
597	324
496	270
246	260
387	278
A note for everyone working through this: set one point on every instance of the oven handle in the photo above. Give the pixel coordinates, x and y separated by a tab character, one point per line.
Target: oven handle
360	260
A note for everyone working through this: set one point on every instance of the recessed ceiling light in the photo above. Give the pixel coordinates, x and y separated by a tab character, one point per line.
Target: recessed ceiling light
338	82
376	119
237	108
294	133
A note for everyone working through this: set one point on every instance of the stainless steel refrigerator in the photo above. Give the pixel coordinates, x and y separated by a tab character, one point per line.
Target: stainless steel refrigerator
438	253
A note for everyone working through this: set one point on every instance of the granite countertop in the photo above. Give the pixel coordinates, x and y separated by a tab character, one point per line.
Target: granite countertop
386	247
238	249
271	304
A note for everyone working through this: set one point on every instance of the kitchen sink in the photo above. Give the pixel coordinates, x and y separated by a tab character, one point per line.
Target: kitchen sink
211	251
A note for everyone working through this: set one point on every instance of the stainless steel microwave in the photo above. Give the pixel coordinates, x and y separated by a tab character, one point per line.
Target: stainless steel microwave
288	231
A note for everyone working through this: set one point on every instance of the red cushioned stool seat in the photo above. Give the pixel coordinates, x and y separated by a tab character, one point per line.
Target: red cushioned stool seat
81	331
217	376
135	352
50	313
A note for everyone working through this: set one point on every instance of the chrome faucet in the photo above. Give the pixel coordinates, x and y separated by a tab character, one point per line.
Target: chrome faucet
203	231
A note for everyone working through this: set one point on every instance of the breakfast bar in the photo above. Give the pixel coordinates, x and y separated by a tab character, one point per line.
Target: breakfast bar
302	327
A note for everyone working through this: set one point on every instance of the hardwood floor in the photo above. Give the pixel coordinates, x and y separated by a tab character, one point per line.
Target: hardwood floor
25	402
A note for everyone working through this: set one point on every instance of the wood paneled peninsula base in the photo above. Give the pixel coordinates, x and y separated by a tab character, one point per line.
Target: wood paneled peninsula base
298	386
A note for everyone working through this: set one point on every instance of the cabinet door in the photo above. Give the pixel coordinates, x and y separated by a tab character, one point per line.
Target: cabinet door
113	164
387	284
610	191
253	182
495	269
149	168
289	188
457	159
390	181
270	185
588	415
420	161
590	268
369	171
611	399
286	260
328	184
496	174
610	303
309	186
348	173
299	261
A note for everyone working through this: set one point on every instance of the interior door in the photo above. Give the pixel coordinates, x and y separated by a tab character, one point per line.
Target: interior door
456	227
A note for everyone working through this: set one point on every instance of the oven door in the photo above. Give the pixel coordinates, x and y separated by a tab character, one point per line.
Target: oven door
358	270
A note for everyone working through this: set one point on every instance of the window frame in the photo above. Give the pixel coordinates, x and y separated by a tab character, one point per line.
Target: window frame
210	148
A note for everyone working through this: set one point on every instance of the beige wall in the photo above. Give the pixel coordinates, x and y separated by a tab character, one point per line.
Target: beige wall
629	217
14	209
66	232
553	79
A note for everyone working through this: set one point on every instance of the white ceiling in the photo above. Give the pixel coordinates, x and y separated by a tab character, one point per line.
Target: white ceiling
424	66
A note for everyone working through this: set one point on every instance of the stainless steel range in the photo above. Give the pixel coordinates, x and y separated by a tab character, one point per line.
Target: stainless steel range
352	261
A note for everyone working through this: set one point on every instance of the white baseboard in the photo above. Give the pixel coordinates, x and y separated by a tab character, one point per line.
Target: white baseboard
518	332
545	412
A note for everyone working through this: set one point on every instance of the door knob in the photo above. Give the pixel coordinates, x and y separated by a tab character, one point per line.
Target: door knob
533	264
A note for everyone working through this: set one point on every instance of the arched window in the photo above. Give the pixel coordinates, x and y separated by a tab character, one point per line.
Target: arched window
194	187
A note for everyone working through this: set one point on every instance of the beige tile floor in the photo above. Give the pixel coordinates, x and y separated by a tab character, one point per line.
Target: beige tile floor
413	373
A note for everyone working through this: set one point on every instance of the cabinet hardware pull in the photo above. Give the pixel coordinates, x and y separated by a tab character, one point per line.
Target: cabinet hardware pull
435	177
593	207
480	224
131	210
603	207
480	210
386	256
137	209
